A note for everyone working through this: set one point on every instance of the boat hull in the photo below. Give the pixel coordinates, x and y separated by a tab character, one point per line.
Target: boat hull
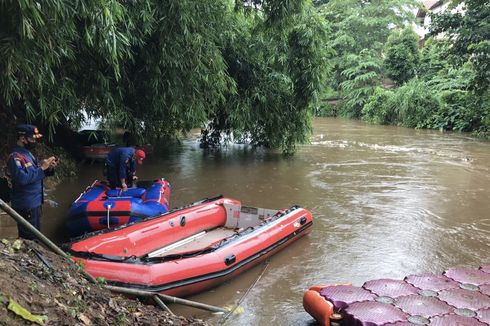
97	151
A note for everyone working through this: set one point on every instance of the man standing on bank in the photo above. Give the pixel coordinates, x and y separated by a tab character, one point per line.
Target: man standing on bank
27	177
121	167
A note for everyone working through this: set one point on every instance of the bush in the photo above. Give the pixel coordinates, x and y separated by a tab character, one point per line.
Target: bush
380	108
484	129
453	114
415	104
327	109
433	59
461	111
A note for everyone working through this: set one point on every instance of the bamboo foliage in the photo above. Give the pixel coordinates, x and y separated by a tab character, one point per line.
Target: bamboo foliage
167	65
469	33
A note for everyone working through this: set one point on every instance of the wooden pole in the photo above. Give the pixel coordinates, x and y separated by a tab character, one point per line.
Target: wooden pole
167	298
161	304
19	219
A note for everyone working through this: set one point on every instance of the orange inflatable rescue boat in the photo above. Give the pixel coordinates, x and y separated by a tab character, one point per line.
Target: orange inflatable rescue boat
190	249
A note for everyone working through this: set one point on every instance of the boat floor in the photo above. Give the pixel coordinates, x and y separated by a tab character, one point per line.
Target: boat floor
211	236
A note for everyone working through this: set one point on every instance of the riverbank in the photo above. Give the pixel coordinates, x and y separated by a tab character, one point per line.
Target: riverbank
37	286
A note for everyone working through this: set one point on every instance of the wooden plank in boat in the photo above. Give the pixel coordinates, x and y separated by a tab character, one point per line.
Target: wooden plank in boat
197	243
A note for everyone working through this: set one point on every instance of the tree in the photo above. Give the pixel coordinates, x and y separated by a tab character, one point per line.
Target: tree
167	65
469	32
358	24
433	58
279	67
58	58
359	32
362	78
402	55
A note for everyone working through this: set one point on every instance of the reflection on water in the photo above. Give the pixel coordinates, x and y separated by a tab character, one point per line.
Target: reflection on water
386	201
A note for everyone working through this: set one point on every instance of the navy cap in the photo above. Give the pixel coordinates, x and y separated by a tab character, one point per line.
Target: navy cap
28	130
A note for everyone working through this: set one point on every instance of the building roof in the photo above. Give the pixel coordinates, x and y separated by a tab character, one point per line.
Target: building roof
427	6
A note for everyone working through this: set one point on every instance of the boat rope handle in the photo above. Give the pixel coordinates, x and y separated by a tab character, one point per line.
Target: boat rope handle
108	209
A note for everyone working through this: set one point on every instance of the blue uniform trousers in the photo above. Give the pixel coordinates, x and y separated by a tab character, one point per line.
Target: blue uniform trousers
33	216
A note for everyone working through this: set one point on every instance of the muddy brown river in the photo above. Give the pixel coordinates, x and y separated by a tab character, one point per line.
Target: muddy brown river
386	201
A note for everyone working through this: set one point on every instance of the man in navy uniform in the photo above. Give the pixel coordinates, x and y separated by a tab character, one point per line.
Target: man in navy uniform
27	176
121	167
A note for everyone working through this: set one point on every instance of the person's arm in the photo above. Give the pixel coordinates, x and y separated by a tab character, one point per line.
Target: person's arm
21	175
132	167
123	163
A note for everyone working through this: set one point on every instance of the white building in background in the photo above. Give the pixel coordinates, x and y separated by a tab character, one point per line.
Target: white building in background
432	7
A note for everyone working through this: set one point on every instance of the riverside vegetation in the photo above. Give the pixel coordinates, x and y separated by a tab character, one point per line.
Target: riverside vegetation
444	85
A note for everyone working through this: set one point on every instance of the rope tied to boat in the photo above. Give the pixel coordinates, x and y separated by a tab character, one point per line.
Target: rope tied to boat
231	311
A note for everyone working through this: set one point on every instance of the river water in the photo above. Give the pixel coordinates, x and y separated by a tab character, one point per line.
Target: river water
386	201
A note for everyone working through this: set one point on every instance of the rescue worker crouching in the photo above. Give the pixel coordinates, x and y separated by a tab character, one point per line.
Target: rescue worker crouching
27	176
121	166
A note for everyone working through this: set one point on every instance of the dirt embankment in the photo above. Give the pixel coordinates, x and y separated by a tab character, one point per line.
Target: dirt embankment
39	287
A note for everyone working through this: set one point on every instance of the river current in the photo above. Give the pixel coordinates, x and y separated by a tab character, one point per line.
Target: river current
386	202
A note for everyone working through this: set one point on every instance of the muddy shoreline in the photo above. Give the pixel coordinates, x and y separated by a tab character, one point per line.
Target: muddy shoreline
39	287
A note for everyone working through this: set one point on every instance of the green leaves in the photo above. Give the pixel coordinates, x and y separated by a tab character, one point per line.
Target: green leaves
470	34
277	68
362	76
25	314
412	105
359	30
465	81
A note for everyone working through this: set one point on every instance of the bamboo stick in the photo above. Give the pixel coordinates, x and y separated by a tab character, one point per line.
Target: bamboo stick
167	298
162	305
193	304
